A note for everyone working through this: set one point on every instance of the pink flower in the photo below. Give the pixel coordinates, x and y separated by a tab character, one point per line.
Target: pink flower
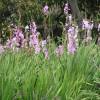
44	48
99	27
72	45
33	28
66	9
31	41
37	49
46	53
44	43
70	18
25	43
71	32
19	37
91	25
8	44
87	25
34	42
45	9
59	50
17	40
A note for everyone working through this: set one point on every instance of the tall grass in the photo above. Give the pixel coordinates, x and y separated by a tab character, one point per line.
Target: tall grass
25	76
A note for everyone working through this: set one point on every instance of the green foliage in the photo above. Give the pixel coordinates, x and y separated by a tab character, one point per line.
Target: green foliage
1	5
24	10
26	76
21	12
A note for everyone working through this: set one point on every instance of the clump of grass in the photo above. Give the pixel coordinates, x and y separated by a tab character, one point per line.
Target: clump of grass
25	76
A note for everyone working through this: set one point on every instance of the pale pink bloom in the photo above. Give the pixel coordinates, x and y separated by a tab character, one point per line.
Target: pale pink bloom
71	32
44	43
24	43
31	43
34	41
71	40
33	28
71	46
8	43
66	24
59	50
44	49
76	36
17	40
21	35
89	38
46	54
76	32
99	27
37	49
70	18
45	9
26	28
91	25
85	24
66	9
